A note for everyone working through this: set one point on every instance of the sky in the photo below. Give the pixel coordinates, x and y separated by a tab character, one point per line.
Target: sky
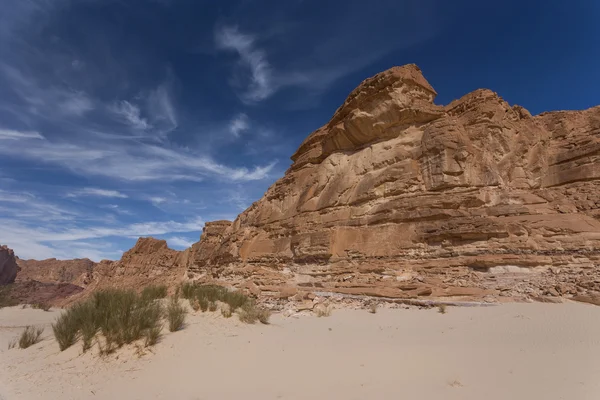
128	118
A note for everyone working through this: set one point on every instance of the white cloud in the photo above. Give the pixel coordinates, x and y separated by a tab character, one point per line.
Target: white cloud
97	193
132	162
179	242
156	201
239	124
33	241
131	114
9	134
261	84
162	110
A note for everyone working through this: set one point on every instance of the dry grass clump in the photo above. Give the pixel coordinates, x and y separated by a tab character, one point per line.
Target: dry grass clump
442	309
6	299
205	297
175	314
322	310
119	316
41	306
30	336
373	308
154	292
226	310
249	313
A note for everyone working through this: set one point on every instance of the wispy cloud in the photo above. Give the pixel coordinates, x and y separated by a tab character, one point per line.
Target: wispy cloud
97	193
179	242
239	124
252	58
156	201
130	114
9	134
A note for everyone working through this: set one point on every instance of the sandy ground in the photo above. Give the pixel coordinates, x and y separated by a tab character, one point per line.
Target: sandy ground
513	351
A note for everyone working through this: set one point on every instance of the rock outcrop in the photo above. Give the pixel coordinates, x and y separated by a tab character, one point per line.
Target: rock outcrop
77	271
8	266
399	197
150	261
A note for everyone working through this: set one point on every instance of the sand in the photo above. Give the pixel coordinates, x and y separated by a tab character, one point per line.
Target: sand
512	351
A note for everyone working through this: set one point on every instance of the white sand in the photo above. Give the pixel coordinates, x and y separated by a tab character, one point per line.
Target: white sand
514	351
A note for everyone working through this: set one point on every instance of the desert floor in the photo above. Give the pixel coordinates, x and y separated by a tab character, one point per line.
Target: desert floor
512	351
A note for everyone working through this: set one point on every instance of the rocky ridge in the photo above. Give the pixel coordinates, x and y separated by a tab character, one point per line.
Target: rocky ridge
399	197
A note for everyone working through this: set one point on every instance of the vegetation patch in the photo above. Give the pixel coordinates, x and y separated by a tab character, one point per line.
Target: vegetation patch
30	336
6	300
175	315
118	316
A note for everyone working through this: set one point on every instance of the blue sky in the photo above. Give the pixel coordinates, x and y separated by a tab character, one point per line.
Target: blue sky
129	118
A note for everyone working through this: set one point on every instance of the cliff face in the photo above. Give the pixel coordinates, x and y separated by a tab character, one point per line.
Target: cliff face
397	196
149	262
77	271
8	266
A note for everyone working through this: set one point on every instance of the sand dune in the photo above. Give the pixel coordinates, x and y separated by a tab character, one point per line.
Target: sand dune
513	351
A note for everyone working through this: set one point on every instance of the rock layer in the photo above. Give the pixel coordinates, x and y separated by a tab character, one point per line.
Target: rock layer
399	197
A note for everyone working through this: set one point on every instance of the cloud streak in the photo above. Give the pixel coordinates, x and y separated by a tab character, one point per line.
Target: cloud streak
95	192
251	58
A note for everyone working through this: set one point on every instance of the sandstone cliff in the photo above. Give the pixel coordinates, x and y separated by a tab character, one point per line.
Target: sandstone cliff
77	271
150	261
399	197
8	266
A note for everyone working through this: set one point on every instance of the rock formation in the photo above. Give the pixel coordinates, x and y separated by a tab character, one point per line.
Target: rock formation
399	197
8	266
77	271
150	261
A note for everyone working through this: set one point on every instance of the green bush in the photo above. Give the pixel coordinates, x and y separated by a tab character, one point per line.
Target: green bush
30	336
65	330
175	315
208	294
121	316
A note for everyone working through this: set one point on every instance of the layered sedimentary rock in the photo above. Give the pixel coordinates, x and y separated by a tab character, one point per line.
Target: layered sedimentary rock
149	262
8	266
77	271
397	196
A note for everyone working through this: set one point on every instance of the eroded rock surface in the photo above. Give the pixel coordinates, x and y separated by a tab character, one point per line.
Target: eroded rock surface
399	197
77	271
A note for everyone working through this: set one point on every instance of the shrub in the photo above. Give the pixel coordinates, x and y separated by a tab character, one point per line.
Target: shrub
212	306
250	313
207	294
321	310
65	330
373	308
195	303
6	300
226	310
154	292
203	304
41	306
152	335
30	336
12	344
120	316
442	309
175	315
